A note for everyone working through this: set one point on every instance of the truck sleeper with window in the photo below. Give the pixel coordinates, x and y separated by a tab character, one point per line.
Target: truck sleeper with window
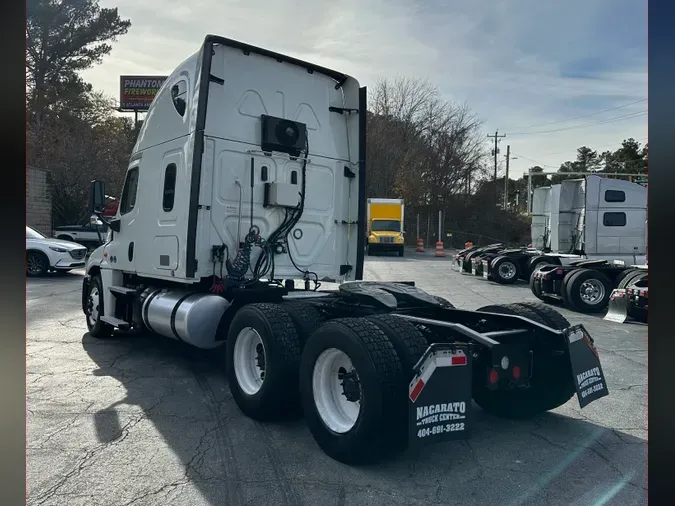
245	192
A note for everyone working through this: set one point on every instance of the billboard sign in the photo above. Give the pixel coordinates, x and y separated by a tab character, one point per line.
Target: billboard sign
138	92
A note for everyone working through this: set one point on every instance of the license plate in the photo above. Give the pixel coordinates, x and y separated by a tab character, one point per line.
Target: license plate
589	379
439	398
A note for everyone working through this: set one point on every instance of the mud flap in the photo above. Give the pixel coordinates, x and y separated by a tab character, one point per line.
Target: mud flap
589	380
439	396
618	306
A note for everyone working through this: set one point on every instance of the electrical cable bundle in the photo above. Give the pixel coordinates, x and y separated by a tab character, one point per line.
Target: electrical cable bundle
279	238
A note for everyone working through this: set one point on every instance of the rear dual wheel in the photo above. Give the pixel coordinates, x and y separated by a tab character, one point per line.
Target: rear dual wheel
351	387
551	383
505	271
586	290
262	354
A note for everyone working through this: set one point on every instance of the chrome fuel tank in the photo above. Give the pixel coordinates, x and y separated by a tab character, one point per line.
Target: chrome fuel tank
185	316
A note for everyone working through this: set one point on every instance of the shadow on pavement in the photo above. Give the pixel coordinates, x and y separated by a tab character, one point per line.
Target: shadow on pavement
230	459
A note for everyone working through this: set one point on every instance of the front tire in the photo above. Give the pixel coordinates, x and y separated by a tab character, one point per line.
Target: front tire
262	355
551	384
350	385
94	309
37	264
401	251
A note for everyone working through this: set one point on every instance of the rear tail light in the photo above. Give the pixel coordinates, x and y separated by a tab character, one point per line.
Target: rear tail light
458	360
516	372
494	376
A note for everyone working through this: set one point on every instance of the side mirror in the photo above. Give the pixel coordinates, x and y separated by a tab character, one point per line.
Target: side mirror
96	197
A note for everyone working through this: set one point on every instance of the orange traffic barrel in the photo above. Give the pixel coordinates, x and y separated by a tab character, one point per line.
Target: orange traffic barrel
468	244
439	249
420	245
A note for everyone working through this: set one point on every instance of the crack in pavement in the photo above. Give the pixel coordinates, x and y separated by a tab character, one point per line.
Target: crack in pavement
65	427
85	461
590	448
53	294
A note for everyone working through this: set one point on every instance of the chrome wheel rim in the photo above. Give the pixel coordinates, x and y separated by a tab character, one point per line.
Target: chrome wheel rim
336	390
592	291
249	361
93	306
507	270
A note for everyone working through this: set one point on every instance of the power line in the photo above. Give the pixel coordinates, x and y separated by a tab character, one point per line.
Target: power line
595	148
624	163
609	120
582	116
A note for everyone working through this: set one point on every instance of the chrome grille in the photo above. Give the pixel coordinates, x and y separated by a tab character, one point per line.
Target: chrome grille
78	254
386	239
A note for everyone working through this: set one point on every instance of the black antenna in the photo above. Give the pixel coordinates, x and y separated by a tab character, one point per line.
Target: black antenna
252	180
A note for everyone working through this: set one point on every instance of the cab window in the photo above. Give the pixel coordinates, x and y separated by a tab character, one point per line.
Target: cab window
129	193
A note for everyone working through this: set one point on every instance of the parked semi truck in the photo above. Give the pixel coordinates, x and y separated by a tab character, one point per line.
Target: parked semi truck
594	232
385	225
244	192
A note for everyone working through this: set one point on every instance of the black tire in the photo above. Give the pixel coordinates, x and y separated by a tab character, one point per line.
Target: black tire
551	384
401	252
574	284
95	309
305	317
623	278
37	264
552	317
407	340
443	301
466	262
634	279
278	394
535	289
563	288
503	262
639	314
369	251
513	309
534	263
381	420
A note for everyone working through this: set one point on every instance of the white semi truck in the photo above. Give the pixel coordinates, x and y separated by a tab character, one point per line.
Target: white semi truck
594	235
593	218
248	176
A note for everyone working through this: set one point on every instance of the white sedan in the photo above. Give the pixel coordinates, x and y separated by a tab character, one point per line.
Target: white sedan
44	254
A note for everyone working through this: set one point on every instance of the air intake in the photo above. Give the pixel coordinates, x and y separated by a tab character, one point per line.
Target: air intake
283	135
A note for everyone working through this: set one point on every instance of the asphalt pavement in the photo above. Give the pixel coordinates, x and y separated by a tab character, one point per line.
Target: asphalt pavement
143	420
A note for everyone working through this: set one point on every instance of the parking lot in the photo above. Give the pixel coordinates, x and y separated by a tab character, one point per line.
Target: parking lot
143	420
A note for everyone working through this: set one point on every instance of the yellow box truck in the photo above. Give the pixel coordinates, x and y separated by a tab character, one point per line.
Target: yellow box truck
385	225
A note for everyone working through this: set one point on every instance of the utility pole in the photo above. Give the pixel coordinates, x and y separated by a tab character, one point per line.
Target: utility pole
506	177
495	152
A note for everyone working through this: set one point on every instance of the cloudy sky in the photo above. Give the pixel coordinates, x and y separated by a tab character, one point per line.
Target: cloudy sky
551	75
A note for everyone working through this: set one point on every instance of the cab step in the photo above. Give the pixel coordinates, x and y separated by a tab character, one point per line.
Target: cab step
121	290
115	322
